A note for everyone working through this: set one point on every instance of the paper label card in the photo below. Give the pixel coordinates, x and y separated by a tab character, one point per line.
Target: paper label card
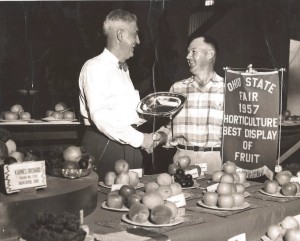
203	167
212	187
139	171
193	172
116	187
31	174
178	200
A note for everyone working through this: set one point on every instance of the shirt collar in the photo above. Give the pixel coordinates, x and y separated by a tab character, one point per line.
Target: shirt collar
215	78
110	57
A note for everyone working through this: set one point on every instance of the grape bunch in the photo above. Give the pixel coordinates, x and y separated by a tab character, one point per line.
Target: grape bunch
185	180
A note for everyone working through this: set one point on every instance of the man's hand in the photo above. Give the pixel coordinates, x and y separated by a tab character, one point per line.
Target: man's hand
147	144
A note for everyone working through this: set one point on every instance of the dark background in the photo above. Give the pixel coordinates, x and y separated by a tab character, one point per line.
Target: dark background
43	44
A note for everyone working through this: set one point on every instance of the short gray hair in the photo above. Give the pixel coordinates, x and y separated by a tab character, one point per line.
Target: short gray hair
115	17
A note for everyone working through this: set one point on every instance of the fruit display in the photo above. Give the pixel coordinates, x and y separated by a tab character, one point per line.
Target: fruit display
16	112
180	171
70	162
282	183
287	230
49	227
61	112
121	175
229	174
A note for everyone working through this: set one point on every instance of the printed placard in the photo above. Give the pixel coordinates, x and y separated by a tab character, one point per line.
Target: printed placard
18	176
203	167
116	187
139	171
178	200
193	172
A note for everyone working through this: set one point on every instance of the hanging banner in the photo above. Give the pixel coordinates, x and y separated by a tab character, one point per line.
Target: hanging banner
251	121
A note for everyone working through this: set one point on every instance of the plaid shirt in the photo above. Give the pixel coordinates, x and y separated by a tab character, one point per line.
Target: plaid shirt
199	123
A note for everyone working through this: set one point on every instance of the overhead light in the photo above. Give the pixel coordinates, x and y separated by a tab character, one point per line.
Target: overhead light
209	2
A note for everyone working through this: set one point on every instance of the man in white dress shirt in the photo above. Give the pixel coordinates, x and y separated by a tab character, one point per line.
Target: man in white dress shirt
108	99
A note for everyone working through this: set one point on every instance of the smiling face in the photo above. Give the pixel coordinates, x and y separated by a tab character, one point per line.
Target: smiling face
200	55
130	39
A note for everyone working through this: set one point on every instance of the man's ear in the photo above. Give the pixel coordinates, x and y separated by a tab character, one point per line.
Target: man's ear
210	54
119	34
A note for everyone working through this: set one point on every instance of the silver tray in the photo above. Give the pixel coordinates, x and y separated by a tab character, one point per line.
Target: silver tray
163	104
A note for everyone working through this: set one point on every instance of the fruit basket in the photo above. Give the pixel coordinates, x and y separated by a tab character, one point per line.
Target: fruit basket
71	173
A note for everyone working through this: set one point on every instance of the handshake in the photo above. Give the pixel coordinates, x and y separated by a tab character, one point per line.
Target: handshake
152	140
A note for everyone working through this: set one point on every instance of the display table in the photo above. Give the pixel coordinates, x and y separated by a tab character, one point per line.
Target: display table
204	224
18	210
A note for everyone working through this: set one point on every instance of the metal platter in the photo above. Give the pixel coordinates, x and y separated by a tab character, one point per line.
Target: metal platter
162	104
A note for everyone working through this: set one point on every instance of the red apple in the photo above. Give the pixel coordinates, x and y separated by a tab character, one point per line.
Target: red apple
68	115
225	201
289	189
48	113
122	178
132	199
25	116
57	115
10	115
152	199
115	200
121	166
165	191
224	188
210	198
229	167
60	106
283	177
161	214
271	186
126	190
173	168
216	176
138	213
227	178
151	186
184	161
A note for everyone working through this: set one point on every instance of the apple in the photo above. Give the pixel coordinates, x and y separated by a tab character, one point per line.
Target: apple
84	162
152	199
227	178
210	198
216	176
172	168
122	178
121	166
289	189
242	176
126	190
184	161
229	167
224	188
271	186
164	179
161	214
151	186
274	231
72	153
10	115
165	191
60	106
289	222
109	178
115	200
25	116
292	234
297	184
236	178
240	188
225	201
57	115
175	188
173	208
138	213
283	177
70	165
16	108
133	178
238	199
132	199
69	115
48	113
18	155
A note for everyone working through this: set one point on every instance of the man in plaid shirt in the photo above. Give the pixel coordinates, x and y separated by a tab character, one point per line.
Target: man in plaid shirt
197	128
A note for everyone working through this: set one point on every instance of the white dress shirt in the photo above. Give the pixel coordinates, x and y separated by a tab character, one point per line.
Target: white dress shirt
108	99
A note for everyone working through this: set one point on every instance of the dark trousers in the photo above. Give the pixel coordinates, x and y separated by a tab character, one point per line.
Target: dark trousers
107	152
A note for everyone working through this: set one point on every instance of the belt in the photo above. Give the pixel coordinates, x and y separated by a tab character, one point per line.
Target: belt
198	148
